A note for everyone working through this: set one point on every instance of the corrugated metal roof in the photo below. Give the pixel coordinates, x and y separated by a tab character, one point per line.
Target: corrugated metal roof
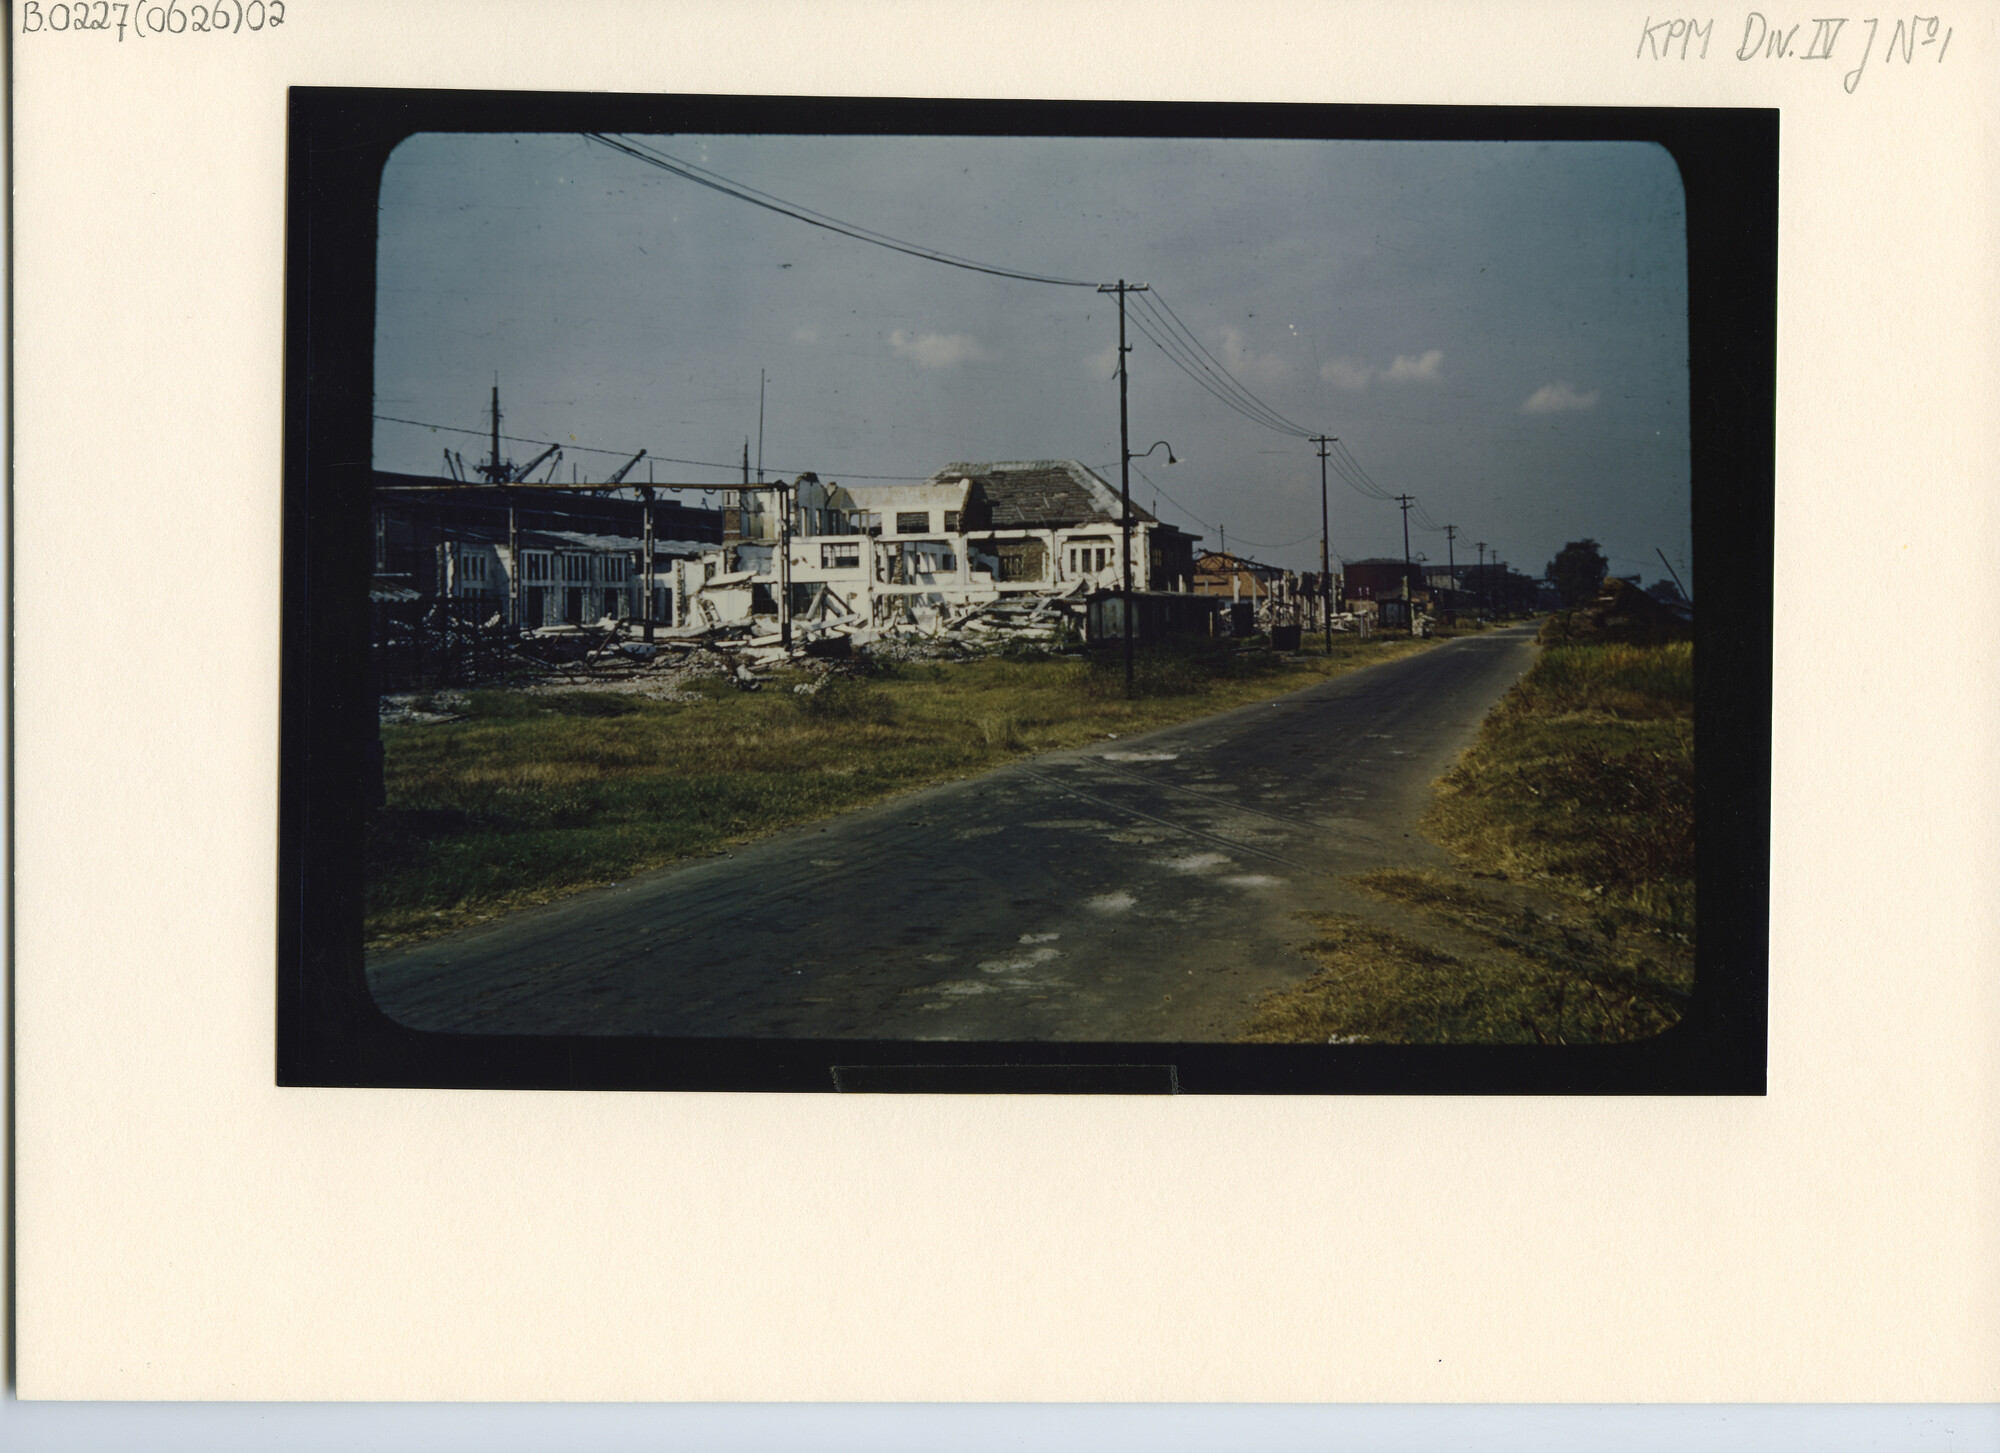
495	538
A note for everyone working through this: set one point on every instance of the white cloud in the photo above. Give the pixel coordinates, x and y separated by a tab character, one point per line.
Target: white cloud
1415	368
934	350
1556	398
1247	364
1426	367
804	335
1346	373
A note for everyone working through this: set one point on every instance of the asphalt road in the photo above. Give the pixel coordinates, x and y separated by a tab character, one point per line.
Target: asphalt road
1142	889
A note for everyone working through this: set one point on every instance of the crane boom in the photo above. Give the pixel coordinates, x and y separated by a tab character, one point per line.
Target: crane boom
625	468
533	464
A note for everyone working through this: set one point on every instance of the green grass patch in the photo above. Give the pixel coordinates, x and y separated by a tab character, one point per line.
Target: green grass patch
1376	985
1583	778
532	795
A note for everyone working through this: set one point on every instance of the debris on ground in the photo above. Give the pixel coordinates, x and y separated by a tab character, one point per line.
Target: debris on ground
670	663
1624	614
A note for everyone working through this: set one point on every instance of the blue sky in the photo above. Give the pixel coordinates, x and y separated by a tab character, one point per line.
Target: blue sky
1499	329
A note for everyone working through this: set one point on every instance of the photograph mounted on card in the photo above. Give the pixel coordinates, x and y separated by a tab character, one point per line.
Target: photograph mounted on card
1062	598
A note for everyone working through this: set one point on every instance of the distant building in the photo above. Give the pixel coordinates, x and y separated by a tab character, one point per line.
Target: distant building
1238	578
528	555
1382	579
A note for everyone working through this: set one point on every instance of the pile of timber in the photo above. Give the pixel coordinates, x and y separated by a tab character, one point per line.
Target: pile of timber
1020	620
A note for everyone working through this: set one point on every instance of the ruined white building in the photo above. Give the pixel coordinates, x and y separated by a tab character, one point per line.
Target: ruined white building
882	554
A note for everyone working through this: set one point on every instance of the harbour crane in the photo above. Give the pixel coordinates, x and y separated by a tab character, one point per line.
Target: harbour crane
533	464
624	469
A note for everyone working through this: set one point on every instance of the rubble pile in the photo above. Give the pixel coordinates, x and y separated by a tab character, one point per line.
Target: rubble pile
1621	613
680	661
419	708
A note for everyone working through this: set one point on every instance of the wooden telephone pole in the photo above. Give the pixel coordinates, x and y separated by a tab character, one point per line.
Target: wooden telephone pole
1450	561
1121	288
1325	568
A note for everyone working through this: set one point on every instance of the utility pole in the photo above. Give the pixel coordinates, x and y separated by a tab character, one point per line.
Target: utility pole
647	572
760	428
513	568
1121	288
1676	579
1325	569
785	567
1482	577
1408	594
1450	560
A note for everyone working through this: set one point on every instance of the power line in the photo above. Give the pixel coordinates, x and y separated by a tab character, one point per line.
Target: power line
1194	371
716	182
1351	468
1196	361
1354	480
1289	426
1191	516
1178	342
1279	544
1185	511
1170	322
627	454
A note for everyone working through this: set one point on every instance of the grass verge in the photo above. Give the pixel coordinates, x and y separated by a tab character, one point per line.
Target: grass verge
1378	985
1583	780
1570	916
529	796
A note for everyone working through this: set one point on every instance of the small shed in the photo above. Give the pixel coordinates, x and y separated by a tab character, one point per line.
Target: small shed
1155	614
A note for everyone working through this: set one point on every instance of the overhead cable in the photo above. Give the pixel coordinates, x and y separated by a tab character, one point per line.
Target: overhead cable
627	453
1195	361
1214	387
1289	426
716	182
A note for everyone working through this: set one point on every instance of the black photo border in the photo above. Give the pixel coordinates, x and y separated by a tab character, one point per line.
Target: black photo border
329	1030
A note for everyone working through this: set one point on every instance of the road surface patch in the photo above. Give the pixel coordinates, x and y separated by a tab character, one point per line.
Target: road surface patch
1194	862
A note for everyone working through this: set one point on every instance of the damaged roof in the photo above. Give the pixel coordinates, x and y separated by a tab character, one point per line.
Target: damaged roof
1041	493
